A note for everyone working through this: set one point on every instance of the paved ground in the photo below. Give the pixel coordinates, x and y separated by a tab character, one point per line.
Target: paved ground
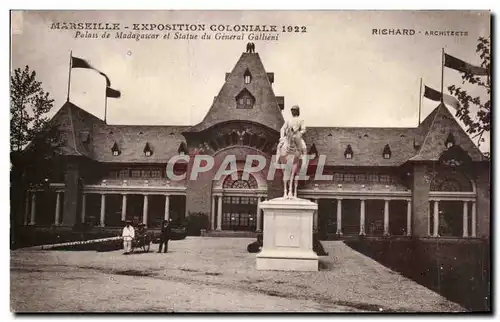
209	274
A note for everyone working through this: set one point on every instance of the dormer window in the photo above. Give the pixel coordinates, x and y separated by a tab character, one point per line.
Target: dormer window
348	152
115	150
85	136
147	150
450	141
313	151
245	100
387	152
182	150
247	77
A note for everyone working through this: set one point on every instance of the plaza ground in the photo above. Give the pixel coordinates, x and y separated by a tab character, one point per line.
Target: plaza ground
203	274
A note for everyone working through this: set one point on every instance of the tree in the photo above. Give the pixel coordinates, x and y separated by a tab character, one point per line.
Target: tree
34	142
479	124
29	104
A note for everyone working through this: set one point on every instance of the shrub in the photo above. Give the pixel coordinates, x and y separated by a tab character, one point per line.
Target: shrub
195	222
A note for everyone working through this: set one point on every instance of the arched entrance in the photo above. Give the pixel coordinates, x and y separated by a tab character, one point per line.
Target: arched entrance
239	212
452	204
239	199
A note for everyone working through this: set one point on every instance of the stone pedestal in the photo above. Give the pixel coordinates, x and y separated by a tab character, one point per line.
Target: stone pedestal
288	236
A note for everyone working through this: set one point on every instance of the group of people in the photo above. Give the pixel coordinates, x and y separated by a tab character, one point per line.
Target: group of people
128	235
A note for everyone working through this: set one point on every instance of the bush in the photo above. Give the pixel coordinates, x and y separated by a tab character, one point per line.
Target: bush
195	222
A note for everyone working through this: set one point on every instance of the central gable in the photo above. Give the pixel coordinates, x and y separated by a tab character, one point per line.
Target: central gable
444	126
246	95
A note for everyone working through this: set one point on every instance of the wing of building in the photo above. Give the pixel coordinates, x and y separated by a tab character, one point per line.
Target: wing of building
429	180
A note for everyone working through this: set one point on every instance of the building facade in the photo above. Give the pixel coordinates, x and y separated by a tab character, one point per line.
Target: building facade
426	181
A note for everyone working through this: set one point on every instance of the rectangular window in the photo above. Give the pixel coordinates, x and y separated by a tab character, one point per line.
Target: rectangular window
337	177
136	173
349	177
156	173
124	173
360	178
145	173
242	101
385	178
372	177
249	101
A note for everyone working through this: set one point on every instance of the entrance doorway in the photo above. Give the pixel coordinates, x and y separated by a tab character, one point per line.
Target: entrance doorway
239	213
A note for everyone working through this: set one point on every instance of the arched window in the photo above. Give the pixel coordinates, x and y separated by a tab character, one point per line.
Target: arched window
247	77
251	183
449	180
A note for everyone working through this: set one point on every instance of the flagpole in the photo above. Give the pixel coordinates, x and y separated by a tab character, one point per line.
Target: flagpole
420	102
105	104
442	75
69	77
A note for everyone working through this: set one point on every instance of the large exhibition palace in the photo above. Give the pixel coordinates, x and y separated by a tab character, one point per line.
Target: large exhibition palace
425	181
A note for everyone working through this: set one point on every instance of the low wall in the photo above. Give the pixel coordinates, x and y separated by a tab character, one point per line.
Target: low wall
458	269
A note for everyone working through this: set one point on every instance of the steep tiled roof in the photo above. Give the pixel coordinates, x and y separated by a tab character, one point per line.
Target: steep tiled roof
164	141
265	110
86	135
73	124
442	124
367	144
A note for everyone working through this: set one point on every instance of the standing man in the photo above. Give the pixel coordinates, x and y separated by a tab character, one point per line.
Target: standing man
128	235
165	235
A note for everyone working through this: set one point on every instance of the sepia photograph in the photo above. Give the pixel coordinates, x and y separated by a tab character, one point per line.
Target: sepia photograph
250	161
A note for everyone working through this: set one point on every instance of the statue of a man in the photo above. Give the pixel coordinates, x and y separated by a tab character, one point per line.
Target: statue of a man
291	143
292	132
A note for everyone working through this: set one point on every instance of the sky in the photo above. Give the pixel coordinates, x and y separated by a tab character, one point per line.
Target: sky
338	72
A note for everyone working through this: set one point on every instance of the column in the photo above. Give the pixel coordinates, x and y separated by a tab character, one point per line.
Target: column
362	218
436	218
219	213
408	218
124	207
26	208
33	208
84	205
257	228
57	216
315	216
429	223
103	209
339	217
145	210
212	214
473	219
465	219
386	217
167	208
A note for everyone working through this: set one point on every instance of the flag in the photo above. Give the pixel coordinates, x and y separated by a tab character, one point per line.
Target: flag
82	63
464	67
434	95
112	93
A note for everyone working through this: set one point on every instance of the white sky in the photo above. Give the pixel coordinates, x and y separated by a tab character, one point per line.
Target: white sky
338	72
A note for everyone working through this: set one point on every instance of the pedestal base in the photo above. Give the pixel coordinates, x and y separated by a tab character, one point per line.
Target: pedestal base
288	236
275	260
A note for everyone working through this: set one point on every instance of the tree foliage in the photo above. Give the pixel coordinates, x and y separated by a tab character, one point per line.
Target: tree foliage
480	123
29	105
34	143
